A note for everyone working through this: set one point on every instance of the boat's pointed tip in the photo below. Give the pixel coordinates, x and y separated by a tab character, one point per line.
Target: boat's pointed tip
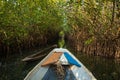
25	59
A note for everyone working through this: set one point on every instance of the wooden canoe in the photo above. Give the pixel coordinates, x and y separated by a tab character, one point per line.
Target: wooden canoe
72	67
38	55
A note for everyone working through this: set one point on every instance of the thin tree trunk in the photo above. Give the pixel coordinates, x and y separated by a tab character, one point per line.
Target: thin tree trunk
113	12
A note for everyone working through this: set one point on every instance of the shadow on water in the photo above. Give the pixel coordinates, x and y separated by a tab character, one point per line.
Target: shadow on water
102	68
13	68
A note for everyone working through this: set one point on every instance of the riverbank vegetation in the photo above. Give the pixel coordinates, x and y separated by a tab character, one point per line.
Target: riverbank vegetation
90	26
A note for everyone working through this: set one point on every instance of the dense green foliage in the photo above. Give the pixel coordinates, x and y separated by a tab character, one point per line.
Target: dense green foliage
27	23
30	23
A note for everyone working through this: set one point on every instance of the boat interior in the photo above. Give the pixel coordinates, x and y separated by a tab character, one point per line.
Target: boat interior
59	72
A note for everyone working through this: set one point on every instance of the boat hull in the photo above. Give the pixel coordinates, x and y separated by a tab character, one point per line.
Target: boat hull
79	72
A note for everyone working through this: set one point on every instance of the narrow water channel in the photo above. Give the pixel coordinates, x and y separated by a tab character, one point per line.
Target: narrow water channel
103	69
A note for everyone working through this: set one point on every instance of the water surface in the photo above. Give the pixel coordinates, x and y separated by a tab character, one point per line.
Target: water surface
103	69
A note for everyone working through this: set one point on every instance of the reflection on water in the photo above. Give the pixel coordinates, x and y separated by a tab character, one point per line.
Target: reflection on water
103	69
13	68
